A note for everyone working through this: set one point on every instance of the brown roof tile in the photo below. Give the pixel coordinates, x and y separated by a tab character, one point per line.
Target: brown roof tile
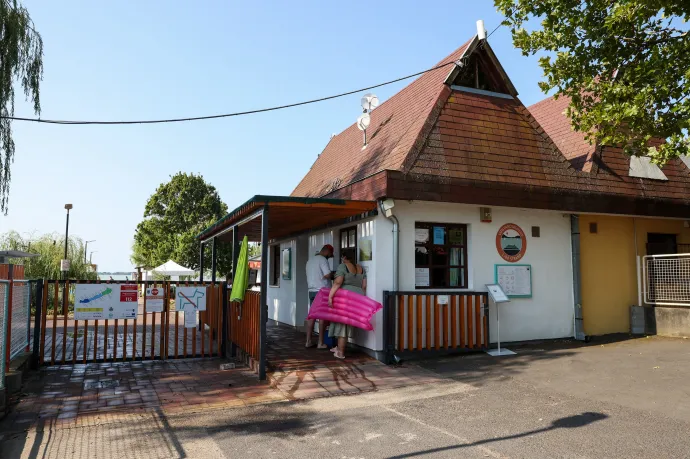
395	128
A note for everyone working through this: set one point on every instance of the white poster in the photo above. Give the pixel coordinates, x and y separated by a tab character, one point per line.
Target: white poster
189	318
421	277
421	235
105	301
190	298
155	297
515	280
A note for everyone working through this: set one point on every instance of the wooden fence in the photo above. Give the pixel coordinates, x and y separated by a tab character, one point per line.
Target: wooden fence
432	321
151	335
244	325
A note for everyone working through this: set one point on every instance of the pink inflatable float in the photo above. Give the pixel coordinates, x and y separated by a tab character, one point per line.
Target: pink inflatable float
349	308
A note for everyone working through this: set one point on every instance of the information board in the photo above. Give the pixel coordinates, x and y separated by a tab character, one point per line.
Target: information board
515	280
105	301
190	298
497	293
155	297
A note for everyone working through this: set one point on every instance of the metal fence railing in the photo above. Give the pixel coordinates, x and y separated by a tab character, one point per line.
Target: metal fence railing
666	279
4	297
20	325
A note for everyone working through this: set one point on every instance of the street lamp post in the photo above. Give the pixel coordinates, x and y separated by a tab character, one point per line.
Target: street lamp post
91	256
64	271
86	247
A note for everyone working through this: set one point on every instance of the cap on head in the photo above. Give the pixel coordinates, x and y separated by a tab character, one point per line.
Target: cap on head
328	247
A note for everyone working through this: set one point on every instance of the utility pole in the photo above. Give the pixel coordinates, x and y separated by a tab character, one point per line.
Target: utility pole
86	246
65	265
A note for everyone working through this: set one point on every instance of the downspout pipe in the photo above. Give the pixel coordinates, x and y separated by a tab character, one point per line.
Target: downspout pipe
388	213
579	331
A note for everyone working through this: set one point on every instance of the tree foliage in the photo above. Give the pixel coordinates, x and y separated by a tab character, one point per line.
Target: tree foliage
625	64
21	58
174	215
51	249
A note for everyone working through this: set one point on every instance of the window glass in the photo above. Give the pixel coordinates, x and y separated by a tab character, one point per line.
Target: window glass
440	251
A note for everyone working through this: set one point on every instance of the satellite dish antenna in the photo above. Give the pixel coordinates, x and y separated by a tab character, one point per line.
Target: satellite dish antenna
363	121
369	102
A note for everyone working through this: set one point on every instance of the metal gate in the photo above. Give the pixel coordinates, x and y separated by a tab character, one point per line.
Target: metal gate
666	279
150	336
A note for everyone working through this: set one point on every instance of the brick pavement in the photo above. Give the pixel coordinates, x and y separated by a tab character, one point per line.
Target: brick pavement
301	373
82	394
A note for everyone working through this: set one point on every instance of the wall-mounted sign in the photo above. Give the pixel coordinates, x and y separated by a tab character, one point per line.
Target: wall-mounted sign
105	301
155	297
515	280
511	242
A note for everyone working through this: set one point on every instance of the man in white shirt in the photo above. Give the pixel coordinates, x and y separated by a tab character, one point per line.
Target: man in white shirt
319	275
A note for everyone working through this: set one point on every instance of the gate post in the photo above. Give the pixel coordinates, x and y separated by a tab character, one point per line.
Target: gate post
35	356
224	319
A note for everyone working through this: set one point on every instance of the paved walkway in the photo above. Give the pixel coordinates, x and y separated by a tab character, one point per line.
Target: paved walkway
76	394
301	373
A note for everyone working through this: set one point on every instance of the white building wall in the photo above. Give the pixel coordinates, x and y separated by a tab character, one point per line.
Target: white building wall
549	312
289	302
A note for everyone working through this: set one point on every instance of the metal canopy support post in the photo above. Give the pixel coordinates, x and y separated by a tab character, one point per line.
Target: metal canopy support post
235	255
35	363
263	307
201	262
214	255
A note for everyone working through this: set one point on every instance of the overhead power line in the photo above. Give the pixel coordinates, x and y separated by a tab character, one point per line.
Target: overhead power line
228	115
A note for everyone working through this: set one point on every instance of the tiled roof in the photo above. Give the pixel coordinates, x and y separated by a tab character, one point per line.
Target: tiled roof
550	113
609	166
395	127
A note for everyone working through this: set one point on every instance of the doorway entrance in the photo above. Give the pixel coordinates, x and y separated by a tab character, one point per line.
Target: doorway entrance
661	244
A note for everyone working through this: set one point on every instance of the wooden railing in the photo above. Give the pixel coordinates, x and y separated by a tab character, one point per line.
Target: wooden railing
435	321
149	336
244	325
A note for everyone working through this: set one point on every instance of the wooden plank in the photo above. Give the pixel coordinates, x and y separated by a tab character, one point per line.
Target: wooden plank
165	318
65	304
184	333
427	307
201	322
55	308
219	317
477	321
420	323
194	332
437	324
177	324
85	340
75	341
463	316
105	341
445	326
153	335
115	341
124	342
410	321
485	333
453	321
401	322
468	318
95	340
143	328
44	311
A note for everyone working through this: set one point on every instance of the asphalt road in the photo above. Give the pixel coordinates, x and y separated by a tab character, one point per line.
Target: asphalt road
586	403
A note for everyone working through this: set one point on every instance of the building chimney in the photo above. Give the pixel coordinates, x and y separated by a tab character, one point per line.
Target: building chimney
481	31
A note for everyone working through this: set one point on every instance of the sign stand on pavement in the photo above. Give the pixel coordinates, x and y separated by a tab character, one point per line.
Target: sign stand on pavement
498	296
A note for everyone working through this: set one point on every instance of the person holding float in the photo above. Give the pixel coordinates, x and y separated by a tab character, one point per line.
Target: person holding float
351	277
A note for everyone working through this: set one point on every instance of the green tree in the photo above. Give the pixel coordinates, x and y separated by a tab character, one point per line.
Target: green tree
21	58
50	248
174	215
625	64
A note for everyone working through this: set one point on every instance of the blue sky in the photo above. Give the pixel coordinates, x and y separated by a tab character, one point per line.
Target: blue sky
155	59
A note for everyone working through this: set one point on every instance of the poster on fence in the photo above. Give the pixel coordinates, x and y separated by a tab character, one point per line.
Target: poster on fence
190	298
105	301
154	299
189	318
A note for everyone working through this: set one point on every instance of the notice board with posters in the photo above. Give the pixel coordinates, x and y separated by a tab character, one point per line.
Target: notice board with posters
515	280
105	301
